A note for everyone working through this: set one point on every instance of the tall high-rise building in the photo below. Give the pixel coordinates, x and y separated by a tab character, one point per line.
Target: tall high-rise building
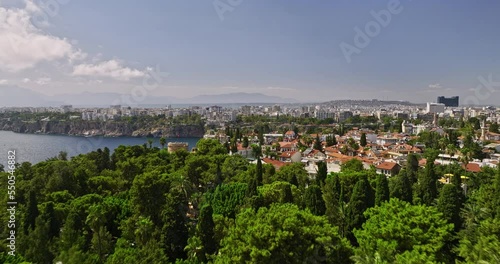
448	101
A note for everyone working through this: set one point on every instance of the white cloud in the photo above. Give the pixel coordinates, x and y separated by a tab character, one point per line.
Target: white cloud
43	81
26	80
436	86
112	68
3	81
23	45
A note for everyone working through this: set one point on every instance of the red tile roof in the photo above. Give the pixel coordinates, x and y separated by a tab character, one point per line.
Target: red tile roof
387	165
276	163
473	167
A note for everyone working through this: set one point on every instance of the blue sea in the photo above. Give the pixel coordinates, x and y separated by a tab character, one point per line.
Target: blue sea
36	147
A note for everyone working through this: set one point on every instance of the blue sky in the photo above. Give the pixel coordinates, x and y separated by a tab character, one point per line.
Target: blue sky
285	48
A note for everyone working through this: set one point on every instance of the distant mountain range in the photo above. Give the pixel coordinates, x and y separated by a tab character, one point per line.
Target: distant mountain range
18	96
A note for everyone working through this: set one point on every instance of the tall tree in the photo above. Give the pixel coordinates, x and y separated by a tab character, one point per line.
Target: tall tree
314	200
259	172
205	231
427	184
412	168
362	141
401	187
450	205
322	173
359	202
317	143
245	142
331	141
332	197
382	191
175	231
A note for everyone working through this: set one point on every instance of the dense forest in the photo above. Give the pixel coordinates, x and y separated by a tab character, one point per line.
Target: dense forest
144	205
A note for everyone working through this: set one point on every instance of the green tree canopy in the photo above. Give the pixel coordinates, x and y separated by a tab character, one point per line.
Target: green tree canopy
282	234
396	228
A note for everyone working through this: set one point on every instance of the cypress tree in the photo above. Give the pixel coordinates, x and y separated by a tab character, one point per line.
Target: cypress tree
362	141
205	231
259	172
401	187
245	142
175	232
31	212
382	191
450	204
294	180
332	191
252	188
428	184
322	173
287	194
359	202
317	143
314	200
412	168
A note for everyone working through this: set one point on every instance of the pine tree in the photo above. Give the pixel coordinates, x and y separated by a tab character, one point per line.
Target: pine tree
314	200
382	191
362	141
321	174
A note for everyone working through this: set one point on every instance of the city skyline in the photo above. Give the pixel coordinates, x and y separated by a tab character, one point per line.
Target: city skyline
295	50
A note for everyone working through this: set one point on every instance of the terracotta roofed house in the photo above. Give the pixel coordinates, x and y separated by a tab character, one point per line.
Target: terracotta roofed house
389	169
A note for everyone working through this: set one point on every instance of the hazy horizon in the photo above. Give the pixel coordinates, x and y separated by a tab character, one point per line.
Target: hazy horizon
386	50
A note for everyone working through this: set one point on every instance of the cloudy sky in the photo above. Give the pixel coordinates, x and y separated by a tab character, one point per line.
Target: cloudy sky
310	51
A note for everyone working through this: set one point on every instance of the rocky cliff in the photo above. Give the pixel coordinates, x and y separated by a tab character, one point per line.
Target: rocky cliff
96	128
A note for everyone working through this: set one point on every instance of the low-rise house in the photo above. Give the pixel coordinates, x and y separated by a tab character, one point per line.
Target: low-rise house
315	154
290	156
276	163
288	146
389	169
